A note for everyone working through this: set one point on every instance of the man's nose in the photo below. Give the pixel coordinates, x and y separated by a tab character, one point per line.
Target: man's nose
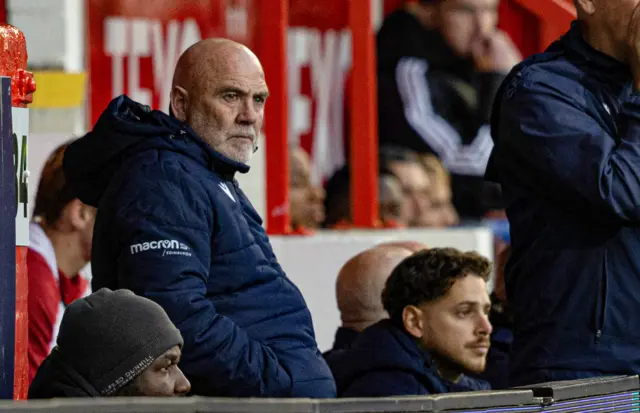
485	327
248	114
182	385
484	22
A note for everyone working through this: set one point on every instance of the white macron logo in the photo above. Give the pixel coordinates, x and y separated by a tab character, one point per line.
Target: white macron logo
226	190
170	247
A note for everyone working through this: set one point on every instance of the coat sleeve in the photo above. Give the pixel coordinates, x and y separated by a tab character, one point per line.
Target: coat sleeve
165	256
552	143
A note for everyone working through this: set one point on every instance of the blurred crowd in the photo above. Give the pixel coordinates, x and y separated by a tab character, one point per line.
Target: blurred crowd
440	64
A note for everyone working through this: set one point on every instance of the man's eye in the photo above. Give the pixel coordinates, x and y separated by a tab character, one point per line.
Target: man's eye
231	96
463	313
259	99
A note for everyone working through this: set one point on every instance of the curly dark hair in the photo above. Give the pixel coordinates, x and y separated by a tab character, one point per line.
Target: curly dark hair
428	275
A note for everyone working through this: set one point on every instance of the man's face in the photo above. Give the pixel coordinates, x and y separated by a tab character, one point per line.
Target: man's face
441	213
87	231
463	21
163	378
390	199
305	199
415	188
456	327
227	110
79	218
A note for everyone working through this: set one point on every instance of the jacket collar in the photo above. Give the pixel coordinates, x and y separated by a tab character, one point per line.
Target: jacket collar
608	68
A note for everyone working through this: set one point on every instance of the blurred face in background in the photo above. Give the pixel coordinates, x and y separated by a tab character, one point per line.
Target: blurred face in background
441	213
84	224
391	200
415	187
306	200
463	21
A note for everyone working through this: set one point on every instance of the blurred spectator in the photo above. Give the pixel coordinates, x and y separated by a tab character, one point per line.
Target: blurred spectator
59	247
359	287
438	329
113	344
174	226
406	165
566	130
441	211
338	199
497	370
390	200
440	64
306	201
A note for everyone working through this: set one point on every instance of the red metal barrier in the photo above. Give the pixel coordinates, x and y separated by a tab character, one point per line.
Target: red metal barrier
364	117
272	49
534	24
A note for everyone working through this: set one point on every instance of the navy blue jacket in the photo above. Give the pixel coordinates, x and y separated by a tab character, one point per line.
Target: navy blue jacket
344	338
567	131
385	361
174	226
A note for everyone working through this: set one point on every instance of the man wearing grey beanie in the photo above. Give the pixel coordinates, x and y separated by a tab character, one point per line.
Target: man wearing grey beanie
113	343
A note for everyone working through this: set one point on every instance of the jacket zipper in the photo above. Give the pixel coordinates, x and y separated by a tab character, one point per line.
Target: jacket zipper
602	302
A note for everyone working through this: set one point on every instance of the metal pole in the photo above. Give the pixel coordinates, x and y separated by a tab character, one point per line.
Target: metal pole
273	52
364	117
7	244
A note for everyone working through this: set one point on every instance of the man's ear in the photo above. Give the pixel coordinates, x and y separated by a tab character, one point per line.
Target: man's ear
412	318
585	6
179	103
74	215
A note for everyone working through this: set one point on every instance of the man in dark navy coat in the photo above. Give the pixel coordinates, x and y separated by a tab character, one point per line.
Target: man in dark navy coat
566	126
174	226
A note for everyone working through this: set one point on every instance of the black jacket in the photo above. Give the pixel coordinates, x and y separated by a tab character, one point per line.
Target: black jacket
344	338
432	101
56	378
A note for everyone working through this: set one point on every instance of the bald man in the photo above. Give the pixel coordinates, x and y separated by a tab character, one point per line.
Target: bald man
359	289
174	226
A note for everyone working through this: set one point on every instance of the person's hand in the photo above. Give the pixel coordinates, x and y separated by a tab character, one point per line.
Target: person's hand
633	41
495	53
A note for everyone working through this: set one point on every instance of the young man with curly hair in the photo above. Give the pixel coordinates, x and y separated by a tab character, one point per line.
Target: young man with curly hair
438	330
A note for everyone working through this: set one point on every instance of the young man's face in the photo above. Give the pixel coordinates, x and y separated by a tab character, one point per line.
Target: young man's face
456	327
163	378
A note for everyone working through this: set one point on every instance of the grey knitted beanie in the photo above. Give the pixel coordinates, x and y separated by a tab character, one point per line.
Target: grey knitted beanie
110	337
